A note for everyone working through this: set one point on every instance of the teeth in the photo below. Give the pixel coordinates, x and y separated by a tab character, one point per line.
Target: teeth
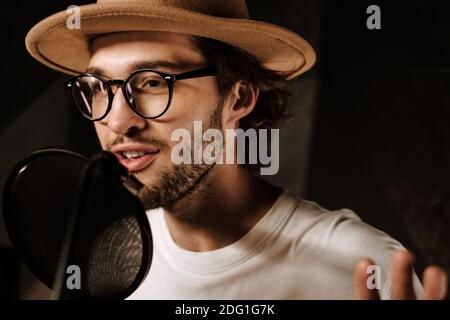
133	154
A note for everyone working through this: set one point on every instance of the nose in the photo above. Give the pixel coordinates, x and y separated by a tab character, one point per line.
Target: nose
121	118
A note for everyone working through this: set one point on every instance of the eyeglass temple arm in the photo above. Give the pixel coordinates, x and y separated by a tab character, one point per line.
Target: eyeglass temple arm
209	71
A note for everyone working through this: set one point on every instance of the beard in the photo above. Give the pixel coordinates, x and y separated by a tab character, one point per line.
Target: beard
180	181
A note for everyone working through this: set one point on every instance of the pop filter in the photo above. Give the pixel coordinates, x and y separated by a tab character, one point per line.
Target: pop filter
70	216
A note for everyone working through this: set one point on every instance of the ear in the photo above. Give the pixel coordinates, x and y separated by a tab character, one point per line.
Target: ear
239	103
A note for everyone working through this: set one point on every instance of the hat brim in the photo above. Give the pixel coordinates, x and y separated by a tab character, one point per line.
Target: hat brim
52	43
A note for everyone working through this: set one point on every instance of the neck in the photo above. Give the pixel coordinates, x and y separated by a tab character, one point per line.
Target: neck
221	210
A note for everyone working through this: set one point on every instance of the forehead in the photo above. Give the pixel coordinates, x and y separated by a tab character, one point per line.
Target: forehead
115	54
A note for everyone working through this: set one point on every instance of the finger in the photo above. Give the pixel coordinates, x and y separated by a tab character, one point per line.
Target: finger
360	276
435	283
401	276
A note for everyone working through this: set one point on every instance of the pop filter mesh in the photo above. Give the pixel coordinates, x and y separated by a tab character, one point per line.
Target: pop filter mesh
115	258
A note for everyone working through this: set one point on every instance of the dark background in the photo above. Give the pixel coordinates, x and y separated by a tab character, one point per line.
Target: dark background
371	118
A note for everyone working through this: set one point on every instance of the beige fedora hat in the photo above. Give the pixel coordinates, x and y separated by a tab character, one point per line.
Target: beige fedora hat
59	47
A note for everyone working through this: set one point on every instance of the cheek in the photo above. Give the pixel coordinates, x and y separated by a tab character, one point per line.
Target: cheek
102	134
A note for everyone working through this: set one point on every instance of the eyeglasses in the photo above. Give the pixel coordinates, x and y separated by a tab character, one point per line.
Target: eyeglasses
148	92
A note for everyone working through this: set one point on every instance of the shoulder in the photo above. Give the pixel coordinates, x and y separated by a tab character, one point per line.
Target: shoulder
339	229
339	239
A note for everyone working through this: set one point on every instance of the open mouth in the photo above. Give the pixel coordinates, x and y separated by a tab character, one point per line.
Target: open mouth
136	160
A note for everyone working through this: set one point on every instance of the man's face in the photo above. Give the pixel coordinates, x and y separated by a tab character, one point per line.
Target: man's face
115	56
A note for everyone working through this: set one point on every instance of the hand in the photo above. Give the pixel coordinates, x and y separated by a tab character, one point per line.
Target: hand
434	280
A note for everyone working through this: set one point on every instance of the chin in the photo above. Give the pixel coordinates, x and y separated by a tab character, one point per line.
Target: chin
150	175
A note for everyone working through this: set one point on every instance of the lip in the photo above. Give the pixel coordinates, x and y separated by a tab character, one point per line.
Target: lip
138	164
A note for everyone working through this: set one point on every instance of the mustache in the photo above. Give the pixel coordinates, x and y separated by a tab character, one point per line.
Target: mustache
160	144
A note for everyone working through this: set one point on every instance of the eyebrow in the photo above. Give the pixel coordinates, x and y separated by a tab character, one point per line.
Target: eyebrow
156	64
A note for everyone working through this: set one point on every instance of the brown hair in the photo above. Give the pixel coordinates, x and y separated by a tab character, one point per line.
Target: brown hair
234	64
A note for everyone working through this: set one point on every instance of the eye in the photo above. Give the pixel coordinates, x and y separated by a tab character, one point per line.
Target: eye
153	83
147	82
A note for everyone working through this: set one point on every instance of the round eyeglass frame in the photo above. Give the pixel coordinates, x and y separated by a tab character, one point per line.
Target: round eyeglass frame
168	77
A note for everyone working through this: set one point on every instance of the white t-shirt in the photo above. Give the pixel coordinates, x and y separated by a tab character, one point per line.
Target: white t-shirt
298	250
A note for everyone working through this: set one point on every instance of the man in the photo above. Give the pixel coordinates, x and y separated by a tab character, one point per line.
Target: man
145	69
